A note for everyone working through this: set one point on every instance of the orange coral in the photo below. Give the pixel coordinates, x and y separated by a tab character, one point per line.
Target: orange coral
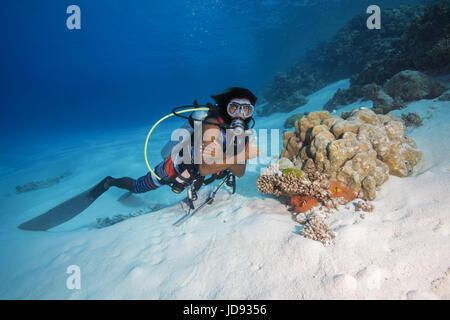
339	190
303	203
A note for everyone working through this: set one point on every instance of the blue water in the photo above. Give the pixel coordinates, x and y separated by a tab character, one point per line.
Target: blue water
134	60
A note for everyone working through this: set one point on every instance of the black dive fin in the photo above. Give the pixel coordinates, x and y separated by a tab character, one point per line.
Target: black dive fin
66	210
125	196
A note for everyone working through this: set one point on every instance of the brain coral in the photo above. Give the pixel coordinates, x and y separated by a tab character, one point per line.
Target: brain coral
360	151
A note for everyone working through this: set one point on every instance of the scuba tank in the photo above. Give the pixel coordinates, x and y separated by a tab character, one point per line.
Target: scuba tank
186	133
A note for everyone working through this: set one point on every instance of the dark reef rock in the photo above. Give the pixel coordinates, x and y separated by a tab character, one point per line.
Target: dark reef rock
382	102
379	71
411	85
424	46
345	114
445	97
343	97
292	102
290	122
412	119
427	40
352	49
288	91
411	38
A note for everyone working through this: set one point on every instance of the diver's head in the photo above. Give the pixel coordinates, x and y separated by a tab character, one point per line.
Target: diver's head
239	109
236	105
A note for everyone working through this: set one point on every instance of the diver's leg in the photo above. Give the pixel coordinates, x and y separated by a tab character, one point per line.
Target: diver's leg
143	184
167	171
123	183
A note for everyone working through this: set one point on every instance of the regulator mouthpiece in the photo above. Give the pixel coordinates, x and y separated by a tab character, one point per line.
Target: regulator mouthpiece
238	127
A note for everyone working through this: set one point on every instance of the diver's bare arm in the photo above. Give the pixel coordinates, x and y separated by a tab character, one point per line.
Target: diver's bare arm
238	169
235	165
251	151
211	168
206	169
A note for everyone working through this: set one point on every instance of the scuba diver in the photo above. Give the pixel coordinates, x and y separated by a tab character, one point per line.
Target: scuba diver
224	156
234	109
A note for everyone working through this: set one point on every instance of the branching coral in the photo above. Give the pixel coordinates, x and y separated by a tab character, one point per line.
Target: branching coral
312	184
290	185
306	191
364	206
315	228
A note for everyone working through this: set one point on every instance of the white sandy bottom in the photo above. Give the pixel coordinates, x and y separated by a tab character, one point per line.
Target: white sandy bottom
249	247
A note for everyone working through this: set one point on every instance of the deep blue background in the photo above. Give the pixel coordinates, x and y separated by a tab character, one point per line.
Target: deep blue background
132	61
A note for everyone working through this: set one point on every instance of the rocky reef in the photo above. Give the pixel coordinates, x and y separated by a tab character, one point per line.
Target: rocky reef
411	38
412	119
405	86
343	97
290	122
329	160
411	85
288	92
423	46
445	97
382	102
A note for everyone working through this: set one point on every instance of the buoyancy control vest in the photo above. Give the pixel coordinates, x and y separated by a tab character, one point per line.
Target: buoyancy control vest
183	139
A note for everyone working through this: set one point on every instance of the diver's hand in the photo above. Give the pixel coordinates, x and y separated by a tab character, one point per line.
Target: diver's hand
211	152
214	151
